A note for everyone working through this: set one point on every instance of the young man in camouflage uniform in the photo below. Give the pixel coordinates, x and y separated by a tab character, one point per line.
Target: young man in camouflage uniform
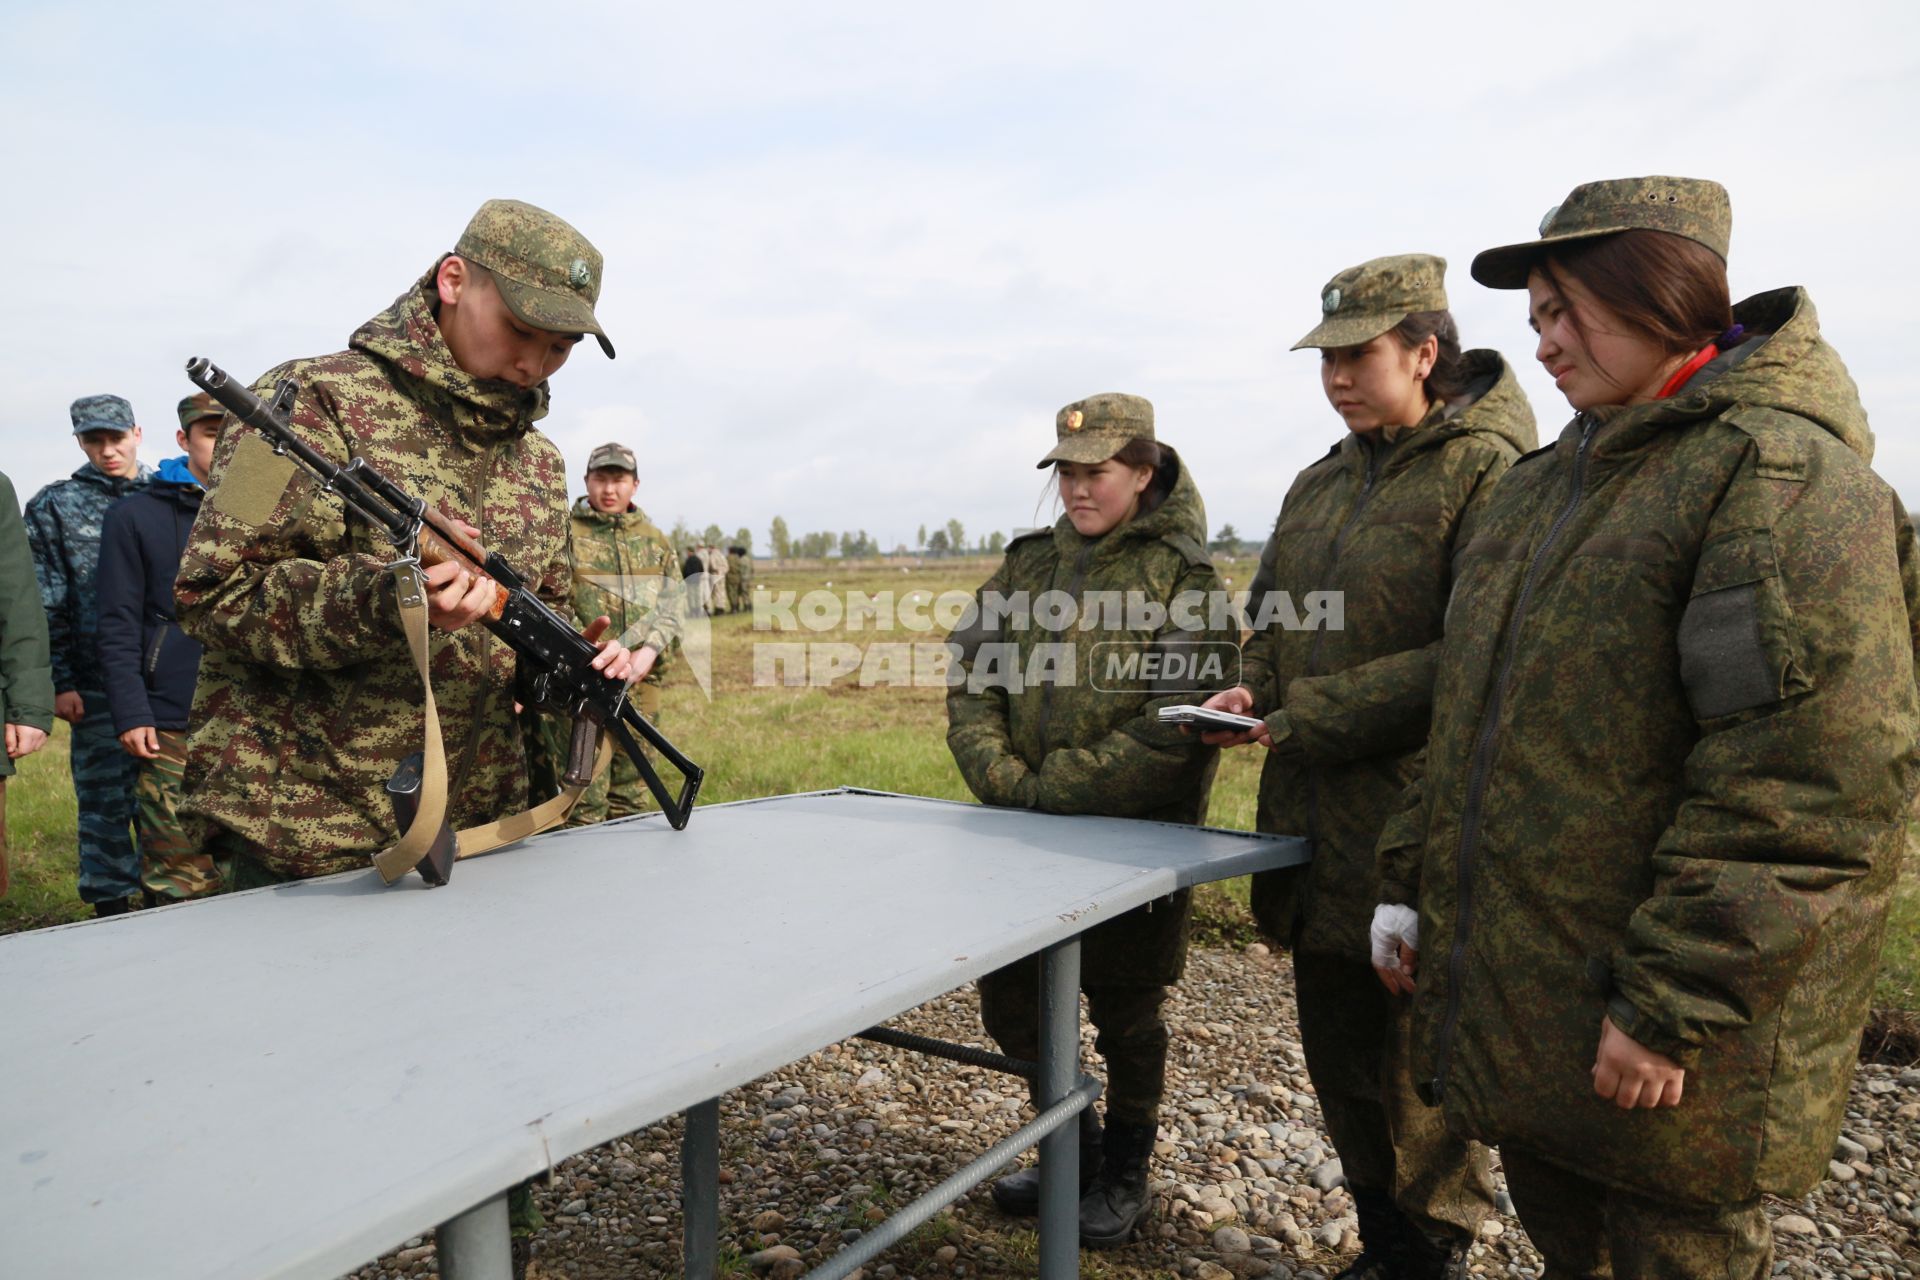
151	665
623	568
308	696
739	579
63	526
26	674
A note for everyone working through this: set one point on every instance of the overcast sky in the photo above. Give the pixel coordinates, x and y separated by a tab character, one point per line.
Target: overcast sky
858	254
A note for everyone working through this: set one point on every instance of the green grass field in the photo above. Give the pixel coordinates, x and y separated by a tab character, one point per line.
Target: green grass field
768	740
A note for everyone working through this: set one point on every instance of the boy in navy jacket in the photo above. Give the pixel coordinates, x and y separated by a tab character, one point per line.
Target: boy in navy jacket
150	663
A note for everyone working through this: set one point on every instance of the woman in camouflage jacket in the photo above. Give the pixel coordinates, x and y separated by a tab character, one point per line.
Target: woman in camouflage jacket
1673	746
1429	429
1035	725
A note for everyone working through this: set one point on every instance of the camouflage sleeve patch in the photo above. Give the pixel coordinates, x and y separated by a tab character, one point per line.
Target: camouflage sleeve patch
254	481
1739	646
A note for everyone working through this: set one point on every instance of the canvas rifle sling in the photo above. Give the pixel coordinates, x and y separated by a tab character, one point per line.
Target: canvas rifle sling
402	857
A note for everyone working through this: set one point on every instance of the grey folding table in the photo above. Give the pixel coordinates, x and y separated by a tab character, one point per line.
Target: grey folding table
289	1081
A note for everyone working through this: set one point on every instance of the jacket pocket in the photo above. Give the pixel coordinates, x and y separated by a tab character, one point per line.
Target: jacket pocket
1740	647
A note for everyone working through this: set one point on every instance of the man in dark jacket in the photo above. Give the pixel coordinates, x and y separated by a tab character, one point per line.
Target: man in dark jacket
63	527
150	664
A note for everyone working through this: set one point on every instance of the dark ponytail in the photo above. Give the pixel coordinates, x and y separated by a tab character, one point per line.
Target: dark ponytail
1449	377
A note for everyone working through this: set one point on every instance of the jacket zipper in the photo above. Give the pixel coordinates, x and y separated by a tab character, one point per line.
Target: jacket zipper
1074	584
482	639
1482	765
1320	641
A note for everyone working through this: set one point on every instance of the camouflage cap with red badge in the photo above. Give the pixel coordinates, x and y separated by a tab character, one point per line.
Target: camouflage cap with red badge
1691	207
1094	429
548	273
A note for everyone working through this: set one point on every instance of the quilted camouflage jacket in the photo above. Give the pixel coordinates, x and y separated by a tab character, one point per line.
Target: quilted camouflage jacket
1083	737
308	697
63	526
1373	521
1672	751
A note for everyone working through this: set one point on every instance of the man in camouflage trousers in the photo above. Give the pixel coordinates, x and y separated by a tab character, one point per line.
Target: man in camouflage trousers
623	568
151	665
63	526
739	579
308	695
26	675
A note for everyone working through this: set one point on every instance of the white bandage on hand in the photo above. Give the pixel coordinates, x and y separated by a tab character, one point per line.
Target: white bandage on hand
1393	925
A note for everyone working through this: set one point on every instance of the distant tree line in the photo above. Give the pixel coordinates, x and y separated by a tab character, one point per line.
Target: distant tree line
857	544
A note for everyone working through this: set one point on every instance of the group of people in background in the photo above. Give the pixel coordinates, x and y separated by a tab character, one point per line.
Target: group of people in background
101	551
1605	773
724	575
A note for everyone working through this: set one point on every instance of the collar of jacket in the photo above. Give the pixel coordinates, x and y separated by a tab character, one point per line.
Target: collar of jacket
1493	405
406	338
632	516
94	477
1786	365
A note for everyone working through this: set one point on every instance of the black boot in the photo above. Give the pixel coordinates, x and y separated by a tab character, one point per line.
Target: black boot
1382	1237
1423	1257
1116	1202
1019	1193
111	907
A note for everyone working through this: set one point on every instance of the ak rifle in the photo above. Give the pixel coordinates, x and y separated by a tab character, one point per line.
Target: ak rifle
555	658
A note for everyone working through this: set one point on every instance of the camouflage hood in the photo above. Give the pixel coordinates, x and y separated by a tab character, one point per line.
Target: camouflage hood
406	339
1788	367
619	521
1784	365
1493	405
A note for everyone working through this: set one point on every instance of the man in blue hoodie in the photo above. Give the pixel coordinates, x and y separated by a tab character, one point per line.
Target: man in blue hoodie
63	528
150	664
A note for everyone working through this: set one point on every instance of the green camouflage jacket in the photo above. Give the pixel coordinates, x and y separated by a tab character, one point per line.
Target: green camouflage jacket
307	696
26	673
1673	745
1078	733
625	568
1374	522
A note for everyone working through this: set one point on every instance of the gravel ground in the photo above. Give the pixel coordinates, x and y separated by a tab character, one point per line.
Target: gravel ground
1245	1180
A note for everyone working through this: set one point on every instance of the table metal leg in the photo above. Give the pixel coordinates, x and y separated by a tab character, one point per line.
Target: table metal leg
1059	1150
476	1245
700	1189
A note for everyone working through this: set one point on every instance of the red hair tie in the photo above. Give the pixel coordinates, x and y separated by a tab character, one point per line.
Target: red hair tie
1687	370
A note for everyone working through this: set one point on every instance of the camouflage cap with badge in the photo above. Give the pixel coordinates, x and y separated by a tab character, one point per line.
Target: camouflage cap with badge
1691	207
195	407
1363	302
1094	429
548	273
613	456
101	413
